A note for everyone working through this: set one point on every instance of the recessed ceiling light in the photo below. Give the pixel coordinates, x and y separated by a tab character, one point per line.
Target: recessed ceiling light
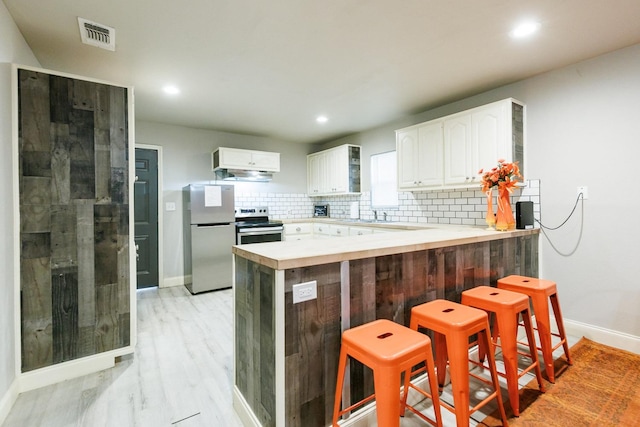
525	29
322	119
171	90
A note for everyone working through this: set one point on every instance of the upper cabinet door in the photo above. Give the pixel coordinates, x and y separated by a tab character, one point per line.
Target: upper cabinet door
408	164
457	150
266	161
430	148
317	174
420	156
230	157
338	172
491	137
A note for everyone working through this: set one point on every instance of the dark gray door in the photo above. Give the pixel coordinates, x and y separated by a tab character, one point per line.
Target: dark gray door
146	217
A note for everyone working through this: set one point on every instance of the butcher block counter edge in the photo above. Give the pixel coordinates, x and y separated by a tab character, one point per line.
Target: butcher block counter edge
304	253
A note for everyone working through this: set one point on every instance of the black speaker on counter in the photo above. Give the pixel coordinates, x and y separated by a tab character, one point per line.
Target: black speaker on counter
524	215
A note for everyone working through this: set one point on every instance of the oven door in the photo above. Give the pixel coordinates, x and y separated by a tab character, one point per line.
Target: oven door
246	236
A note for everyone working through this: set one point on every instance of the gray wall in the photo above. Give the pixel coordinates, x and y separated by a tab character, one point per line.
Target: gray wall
13	48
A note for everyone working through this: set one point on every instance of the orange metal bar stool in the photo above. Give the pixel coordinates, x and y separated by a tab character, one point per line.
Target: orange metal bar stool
453	324
541	292
388	349
508	306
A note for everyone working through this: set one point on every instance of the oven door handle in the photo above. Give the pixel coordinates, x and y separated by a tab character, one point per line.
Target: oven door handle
260	230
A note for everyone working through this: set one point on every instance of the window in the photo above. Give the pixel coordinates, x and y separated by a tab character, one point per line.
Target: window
384	178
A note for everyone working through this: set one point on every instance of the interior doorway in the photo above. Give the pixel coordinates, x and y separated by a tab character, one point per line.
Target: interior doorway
146	213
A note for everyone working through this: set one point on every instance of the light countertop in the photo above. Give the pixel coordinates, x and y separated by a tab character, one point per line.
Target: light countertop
411	237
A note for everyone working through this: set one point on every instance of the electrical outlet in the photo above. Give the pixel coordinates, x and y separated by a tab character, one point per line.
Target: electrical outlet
305	291
585	192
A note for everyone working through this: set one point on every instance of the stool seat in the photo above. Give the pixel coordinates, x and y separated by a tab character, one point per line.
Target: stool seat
541	293
453	324
388	349
507	307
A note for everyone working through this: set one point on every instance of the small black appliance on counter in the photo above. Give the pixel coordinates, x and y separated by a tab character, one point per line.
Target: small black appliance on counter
524	215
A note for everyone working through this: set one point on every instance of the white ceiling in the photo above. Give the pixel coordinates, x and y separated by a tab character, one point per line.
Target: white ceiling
270	67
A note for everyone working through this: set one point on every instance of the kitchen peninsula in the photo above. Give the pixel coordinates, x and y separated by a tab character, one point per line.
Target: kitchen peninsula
286	354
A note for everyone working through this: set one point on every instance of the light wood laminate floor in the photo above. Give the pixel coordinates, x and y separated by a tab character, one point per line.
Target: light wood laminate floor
181	373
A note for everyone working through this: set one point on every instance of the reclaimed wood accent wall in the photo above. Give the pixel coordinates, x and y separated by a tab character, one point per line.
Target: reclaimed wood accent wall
383	287
74	218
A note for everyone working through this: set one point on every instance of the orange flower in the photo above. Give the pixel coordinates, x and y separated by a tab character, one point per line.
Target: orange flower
505	175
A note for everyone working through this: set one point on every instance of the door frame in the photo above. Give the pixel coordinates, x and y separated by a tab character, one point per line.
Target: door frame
158	149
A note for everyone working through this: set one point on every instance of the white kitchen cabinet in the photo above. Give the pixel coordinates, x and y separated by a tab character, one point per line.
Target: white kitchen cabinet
235	158
419	150
339	230
298	231
321	231
360	231
471	140
334	171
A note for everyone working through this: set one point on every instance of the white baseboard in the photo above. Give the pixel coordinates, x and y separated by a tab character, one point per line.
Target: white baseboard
168	282
243	409
604	336
7	401
65	371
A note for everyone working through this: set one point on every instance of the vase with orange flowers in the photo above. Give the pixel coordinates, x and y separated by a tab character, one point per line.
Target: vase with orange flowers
505	176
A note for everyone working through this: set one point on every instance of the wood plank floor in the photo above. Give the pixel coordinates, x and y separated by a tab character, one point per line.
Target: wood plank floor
181	373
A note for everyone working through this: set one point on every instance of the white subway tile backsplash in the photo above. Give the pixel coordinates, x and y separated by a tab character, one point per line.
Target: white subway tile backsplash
466	206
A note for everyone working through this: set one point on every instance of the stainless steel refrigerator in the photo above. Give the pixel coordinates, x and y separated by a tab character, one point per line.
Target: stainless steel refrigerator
209	233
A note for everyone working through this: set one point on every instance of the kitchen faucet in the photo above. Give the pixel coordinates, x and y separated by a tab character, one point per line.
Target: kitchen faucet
384	216
375	215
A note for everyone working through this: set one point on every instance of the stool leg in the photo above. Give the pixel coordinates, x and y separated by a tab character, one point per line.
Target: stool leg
508	338
526	318
440	343
482	351
541	311
458	351
433	389
387	388
339	383
555	304
494	374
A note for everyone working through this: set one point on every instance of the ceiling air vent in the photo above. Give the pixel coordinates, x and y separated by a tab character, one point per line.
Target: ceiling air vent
98	35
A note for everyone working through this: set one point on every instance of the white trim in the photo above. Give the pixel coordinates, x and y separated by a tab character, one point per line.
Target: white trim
7	401
158	149
604	336
243	409
168	282
74	368
133	298
16	222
